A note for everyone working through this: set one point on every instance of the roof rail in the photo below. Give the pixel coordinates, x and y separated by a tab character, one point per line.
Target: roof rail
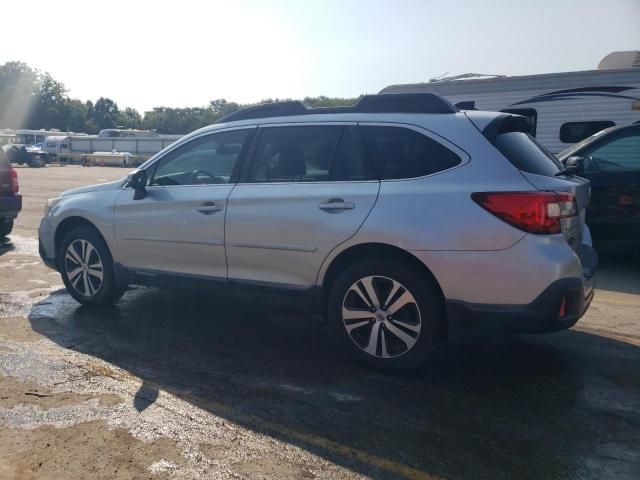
380	103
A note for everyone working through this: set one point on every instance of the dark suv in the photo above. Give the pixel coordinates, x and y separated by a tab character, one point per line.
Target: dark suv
610	159
10	199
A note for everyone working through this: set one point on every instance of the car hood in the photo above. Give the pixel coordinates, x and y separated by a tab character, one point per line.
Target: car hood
101	187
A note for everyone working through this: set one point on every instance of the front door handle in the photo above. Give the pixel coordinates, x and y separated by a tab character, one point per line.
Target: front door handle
335	205
209	208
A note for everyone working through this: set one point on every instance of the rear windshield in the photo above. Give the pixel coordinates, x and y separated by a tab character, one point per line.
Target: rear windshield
526	154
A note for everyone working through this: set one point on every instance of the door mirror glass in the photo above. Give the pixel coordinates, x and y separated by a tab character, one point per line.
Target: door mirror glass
138	181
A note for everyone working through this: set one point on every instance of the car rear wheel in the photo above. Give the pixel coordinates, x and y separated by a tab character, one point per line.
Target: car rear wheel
387	313
86	267
6	228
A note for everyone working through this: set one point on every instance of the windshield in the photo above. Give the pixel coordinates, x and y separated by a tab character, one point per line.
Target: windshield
566	153
25	138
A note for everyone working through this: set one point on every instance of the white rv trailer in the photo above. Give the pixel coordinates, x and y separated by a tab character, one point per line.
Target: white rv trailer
563	107
33	137
79	148
126	132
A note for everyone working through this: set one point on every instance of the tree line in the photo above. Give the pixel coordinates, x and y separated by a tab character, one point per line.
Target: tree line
33	99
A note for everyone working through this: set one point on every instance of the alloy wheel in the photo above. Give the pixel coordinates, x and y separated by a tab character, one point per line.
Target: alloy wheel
83	267
381	316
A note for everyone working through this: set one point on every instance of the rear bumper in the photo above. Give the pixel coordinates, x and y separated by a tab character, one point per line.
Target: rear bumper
9	207
540	316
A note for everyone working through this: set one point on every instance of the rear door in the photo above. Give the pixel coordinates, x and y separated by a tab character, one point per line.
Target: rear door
309	188
613	167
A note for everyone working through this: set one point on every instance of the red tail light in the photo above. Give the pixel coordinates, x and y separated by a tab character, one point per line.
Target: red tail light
15	186
533	212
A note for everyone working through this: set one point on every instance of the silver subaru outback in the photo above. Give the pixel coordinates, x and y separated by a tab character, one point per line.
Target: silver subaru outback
401	219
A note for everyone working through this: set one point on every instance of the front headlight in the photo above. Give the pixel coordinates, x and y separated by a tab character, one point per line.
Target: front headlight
50	204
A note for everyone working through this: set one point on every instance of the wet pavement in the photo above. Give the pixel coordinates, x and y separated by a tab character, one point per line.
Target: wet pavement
199	385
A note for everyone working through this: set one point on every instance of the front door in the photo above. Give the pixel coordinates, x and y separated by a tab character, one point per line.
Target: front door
613	167
309	189
179	226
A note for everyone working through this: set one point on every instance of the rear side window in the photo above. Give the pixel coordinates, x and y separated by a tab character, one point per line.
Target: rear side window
572	132
526	154
295	154
399	152
351	162
313	153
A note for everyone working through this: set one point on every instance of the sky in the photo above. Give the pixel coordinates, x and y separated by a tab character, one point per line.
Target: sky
185	53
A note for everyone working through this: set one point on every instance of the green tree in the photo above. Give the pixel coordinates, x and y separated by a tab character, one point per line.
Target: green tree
105	113
18	88
50	104
129	118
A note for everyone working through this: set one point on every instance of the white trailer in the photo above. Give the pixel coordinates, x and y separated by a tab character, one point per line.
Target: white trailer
79	148
563	107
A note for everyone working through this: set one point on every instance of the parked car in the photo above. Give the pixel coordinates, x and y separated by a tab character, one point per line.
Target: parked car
32	155
10	199
610	159
401	219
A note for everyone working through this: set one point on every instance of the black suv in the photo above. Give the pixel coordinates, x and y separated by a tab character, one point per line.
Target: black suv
10	199
610	159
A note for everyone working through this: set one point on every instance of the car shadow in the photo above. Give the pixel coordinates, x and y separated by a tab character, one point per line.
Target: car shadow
511	407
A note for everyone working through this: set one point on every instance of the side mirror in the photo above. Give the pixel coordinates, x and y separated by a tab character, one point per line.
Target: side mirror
138	181
575	164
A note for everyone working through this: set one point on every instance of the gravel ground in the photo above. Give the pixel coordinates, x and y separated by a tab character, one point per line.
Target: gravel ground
179	384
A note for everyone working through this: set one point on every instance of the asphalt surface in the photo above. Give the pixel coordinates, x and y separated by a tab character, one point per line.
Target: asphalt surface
172	383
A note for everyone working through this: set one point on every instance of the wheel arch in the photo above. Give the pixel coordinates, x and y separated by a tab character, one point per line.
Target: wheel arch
359	252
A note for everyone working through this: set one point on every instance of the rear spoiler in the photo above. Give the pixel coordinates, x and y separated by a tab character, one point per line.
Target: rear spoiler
506	123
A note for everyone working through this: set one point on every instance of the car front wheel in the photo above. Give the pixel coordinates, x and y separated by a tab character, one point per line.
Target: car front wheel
87	268
387	313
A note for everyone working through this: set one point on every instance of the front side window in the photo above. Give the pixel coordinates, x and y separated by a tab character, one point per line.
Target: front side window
206	160
618	155
399	152
572	132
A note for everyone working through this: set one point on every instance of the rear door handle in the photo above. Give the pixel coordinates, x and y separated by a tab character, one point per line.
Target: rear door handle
335	205
209	208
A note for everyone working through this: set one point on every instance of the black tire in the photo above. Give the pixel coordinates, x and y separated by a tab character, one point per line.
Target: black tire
104	292
37	162
6	228
387	274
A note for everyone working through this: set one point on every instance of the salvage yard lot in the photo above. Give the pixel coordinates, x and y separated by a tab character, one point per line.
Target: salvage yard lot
177	384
